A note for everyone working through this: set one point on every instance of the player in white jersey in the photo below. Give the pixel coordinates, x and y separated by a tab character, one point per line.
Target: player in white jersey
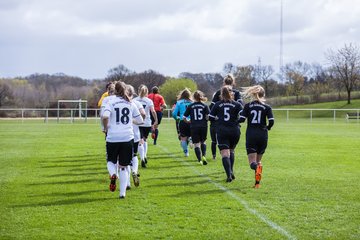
134	166
118	116
146	126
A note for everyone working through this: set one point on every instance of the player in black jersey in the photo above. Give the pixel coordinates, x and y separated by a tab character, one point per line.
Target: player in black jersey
198	113
226	114
228	81
256	112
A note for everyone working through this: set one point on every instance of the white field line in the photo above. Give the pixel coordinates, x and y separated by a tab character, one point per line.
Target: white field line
236	197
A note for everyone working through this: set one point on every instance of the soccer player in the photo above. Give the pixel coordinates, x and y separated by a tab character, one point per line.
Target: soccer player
226	111
134	166
256	112
110	92
184	128
198	112
228	81
105	94
118	116
159	106
146	126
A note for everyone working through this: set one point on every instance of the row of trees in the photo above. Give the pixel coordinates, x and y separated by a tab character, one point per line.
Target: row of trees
297	79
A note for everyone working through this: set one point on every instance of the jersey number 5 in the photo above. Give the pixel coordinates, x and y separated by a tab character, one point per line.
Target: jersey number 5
124	118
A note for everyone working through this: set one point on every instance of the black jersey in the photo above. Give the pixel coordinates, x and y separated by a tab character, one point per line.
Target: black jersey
226	113
216	97
256	113
198	112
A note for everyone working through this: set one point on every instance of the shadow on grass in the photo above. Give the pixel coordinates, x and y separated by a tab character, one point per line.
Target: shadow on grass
78	164
68	194
82	181
59	175
64	202
206	192
170	184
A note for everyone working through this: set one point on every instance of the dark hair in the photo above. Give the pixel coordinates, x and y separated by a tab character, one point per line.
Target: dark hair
229	80
120	90
155	90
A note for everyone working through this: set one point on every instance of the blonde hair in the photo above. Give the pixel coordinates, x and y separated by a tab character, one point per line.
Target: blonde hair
130	90
256	92
184	94
120	90
226	93
199	96
143	91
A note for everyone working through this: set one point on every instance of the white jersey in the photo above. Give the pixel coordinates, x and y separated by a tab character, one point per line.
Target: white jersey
135	126
121	114
147	103
103	104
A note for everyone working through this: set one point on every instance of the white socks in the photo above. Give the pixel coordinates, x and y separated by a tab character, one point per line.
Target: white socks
141	151
135	164
123	178
112	168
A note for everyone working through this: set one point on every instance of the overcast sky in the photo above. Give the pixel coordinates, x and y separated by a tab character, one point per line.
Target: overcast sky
86	38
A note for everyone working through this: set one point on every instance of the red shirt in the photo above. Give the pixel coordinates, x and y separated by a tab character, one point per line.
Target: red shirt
158	101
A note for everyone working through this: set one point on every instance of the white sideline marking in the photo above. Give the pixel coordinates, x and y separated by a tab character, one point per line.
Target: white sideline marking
239	199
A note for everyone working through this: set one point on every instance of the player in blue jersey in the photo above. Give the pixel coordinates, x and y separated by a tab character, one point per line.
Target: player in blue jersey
198	112
226	114
256	113
228	81
184	127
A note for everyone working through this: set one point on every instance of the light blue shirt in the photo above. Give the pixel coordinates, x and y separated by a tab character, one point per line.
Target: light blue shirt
180	109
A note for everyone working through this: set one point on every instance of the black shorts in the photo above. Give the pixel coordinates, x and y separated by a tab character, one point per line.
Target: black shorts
198	134
144	132
227	138
136	146
184	129
159	115
213	133
256	140
122	151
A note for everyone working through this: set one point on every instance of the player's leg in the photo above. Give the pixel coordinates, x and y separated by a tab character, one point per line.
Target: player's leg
111	153
125	156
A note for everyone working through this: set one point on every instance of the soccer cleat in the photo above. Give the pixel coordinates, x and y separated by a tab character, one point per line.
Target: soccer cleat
258	173
191	144
229	179
128	188
145	159
121	197
186	153
257	185
200	162
112	185
232	176
204	162
143	164
136	179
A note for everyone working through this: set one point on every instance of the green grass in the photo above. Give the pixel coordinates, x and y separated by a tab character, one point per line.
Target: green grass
54	185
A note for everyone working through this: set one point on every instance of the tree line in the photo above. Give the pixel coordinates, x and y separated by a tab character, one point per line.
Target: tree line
299	82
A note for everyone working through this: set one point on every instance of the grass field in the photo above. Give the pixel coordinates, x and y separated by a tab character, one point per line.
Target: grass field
54	185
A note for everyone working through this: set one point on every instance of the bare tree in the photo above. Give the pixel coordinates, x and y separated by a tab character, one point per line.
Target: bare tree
244	75
345	63
296	75
5	93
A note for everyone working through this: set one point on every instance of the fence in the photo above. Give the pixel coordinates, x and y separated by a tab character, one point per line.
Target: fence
73	114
